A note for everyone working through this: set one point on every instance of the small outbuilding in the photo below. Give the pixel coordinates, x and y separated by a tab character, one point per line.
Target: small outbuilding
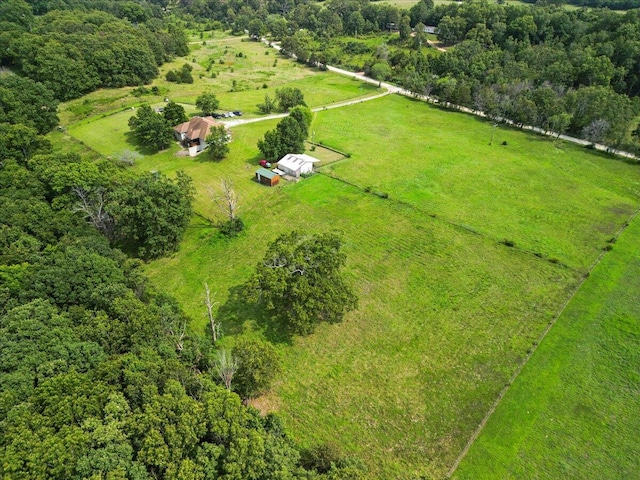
266	177
296	164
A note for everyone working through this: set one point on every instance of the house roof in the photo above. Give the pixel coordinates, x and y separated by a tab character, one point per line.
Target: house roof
293	161
263	172
197	127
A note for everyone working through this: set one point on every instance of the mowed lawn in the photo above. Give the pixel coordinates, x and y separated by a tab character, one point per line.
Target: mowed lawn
445	314
444	318
573	411
561	203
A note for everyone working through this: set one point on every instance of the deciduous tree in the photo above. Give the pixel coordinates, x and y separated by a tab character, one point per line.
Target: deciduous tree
258	365
288	137
174	114
151	129
151	213
299	281
207	103
218	142
289	97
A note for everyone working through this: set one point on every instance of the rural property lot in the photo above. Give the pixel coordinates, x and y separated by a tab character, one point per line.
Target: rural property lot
561	203
447	311
573	411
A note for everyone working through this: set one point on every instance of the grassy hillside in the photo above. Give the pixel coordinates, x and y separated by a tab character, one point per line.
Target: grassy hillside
447	311
573	411
238	71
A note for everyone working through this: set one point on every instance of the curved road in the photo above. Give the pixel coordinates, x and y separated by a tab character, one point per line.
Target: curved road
390	88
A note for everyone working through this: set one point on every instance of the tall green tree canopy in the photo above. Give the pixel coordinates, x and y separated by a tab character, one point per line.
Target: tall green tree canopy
207	103
288	137
258	366
151	213
151	129
75	52
289	97
218	142
27	102
174	114
300	282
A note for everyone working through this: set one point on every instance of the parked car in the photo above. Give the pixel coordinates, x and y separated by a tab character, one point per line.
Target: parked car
217	115
237	113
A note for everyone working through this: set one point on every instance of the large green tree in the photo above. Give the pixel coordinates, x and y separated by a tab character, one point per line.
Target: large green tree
151	129
174	114
208	103
218	142
289	97
299	281
27	102
288	137
151	213
258	366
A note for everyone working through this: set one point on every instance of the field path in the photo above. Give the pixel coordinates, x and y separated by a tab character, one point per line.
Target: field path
233	123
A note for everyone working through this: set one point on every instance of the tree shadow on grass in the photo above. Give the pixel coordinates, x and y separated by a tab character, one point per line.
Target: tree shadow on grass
135	145
238	311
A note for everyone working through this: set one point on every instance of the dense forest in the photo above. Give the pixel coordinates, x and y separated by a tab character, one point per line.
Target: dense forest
73	52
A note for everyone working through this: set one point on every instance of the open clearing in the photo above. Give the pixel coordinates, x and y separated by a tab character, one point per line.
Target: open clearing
573	411
238	71
563	204
445	314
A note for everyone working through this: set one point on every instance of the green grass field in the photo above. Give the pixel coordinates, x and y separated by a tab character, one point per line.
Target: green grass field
573	411
259	66
560	203
447	312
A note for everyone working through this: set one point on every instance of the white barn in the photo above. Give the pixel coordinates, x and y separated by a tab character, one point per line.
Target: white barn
296	164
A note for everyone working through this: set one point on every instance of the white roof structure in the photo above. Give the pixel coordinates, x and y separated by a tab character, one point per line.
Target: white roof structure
296	163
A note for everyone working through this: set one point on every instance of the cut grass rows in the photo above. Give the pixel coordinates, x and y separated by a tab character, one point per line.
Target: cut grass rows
573	411
442	322
560	203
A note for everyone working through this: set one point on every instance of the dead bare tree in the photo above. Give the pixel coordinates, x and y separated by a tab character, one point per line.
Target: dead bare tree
226	199
92	204
226	366
215	326
174	327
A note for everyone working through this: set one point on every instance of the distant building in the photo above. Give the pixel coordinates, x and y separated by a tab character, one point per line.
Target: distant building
430	29
296	164
193	134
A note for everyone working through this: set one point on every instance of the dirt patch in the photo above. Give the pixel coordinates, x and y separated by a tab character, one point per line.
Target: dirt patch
266	404
622	209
